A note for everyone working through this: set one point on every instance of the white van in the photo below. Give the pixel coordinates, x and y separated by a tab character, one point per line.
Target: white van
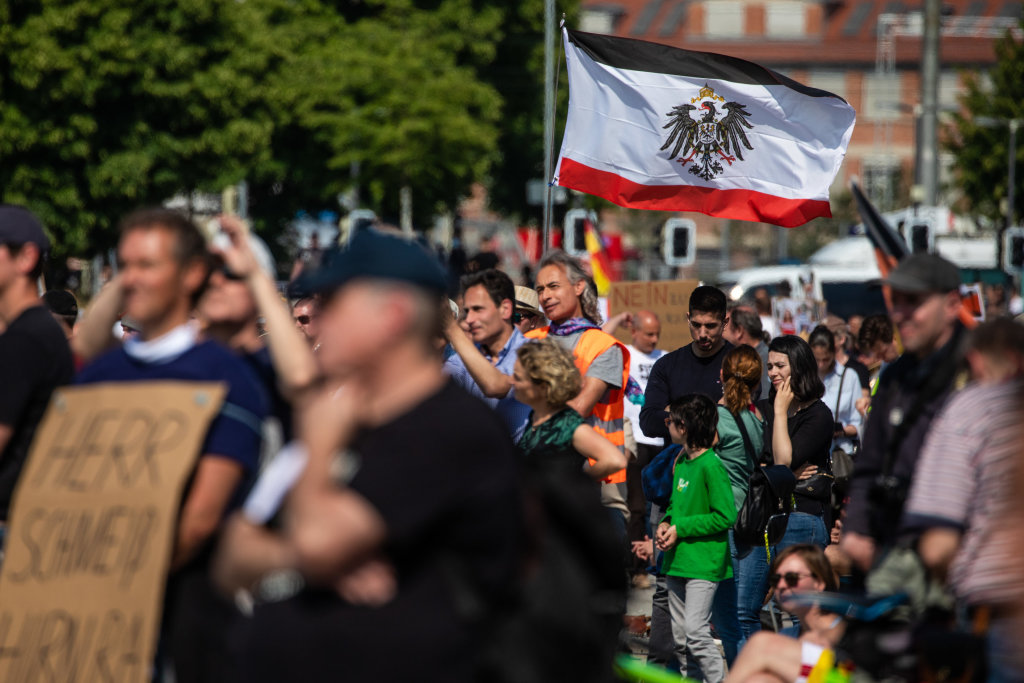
847	289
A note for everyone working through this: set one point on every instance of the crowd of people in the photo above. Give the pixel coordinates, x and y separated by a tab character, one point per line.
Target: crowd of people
399	485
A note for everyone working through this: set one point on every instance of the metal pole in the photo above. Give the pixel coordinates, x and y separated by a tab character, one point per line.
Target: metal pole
549	116
930	101
1012	174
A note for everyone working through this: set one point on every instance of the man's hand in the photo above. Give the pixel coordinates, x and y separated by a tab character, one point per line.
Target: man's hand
644	549
863	403
371	584
859	548
238	257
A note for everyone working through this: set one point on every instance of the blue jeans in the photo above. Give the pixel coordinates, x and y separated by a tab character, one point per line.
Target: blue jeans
724	615
754	565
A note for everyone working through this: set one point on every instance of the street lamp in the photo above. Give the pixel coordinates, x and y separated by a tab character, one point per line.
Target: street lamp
1011	174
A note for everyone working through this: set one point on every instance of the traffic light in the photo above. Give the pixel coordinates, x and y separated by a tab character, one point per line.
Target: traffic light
679	246
919	236
1013	249
574	232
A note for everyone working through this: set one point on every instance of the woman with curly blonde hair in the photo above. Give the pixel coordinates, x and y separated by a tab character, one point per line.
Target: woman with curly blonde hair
545	378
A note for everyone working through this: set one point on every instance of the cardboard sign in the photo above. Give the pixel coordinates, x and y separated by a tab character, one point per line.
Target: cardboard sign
668	299
92	526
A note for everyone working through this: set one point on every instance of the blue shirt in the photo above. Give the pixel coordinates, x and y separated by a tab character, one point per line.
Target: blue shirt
512	412
235	431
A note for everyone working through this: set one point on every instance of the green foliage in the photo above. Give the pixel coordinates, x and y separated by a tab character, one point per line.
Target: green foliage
107	105
981	151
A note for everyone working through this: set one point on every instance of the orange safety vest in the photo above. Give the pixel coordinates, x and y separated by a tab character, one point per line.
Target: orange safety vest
607	416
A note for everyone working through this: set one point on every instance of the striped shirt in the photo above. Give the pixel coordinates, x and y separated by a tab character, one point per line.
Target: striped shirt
964	480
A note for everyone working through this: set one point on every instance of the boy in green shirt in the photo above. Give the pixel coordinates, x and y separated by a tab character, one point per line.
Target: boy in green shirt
694	532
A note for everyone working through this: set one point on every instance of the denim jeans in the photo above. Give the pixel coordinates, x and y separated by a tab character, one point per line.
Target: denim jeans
752	577
724	614
689	603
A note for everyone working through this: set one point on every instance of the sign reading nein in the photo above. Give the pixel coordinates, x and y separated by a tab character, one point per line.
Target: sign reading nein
713	137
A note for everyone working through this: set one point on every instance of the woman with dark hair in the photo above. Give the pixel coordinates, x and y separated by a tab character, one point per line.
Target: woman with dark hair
842	388
798	434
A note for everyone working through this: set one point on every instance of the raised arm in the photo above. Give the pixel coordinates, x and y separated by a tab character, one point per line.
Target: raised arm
95	331
605	459
492	381
293	359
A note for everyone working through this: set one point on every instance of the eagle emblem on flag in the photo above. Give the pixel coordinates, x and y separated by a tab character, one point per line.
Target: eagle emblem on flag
716	135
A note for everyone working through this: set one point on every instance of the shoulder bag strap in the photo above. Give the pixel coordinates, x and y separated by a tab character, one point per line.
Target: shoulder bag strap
747	445
839	398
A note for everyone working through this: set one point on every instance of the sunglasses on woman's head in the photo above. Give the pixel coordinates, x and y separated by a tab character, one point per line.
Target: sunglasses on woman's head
791	578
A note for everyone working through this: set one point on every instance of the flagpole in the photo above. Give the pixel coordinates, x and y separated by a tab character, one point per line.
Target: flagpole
549	118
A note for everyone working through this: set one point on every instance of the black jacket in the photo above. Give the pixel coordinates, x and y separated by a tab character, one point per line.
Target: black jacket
876	510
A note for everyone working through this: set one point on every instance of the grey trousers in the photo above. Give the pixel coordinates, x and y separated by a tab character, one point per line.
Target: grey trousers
689	604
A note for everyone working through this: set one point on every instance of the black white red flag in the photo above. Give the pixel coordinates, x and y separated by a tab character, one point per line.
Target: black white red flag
656	127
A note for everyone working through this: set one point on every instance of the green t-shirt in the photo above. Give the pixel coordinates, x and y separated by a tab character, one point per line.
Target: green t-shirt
734	455
702	510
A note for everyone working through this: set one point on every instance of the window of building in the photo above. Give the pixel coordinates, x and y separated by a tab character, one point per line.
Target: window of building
949	91
881	97
830	81
723	19
881	181
597	20
785	19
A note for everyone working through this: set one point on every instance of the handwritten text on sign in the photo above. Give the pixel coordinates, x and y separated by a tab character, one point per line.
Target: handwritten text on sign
669	299
91	529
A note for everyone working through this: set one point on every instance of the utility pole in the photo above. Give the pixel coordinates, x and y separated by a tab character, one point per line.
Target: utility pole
549	118
929	142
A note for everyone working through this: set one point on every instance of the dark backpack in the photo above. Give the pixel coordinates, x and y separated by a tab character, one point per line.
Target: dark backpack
656	476
765	513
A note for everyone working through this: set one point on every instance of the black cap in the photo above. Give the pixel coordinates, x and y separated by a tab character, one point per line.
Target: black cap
924	273
18	225
373	254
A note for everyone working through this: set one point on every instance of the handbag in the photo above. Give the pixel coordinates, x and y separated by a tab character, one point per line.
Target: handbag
840	462
819	485
764	515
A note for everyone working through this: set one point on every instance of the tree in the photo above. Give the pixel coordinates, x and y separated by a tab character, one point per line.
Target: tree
979	136
517	72
105	106
391	90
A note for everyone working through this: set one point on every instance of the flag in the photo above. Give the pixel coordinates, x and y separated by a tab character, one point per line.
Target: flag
890	249
600	264
889	245
655	127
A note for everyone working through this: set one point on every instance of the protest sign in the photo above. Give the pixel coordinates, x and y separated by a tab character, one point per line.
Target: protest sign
92	526
668	299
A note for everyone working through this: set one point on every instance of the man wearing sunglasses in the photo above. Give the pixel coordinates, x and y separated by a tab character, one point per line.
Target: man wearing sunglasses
304	313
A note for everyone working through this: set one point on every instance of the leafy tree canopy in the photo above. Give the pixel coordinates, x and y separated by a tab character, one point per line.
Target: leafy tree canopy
107	105
980	146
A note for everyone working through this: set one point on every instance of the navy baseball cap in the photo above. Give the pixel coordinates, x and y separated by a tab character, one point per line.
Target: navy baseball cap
373	254
18	225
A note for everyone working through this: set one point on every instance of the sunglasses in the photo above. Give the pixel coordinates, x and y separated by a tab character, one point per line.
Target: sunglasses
677	423
303	319
791	578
